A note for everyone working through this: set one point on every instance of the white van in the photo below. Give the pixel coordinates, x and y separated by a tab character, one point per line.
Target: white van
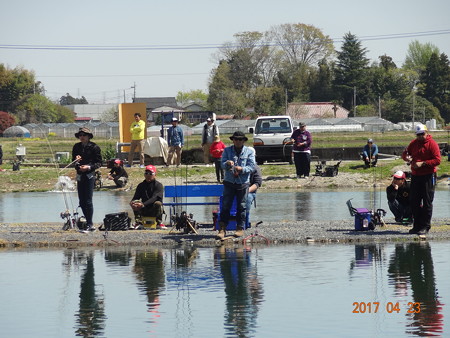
272	138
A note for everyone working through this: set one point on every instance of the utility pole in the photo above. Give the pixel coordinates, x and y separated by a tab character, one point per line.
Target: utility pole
379	107
286	101
414	105
354	101
134	92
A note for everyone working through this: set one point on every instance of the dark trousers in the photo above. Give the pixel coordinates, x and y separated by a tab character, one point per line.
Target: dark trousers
231	190
400	211
421	197
219	170
302	163
372	161
85	188
154	210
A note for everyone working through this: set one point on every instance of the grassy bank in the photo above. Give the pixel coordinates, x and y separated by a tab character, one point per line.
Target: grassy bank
43	150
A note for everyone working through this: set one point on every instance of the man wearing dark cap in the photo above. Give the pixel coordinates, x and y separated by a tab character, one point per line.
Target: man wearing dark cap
238	161
370	154
87	158
148	198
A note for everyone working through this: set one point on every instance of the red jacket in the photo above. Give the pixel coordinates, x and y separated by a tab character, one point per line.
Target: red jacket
423	151
216	149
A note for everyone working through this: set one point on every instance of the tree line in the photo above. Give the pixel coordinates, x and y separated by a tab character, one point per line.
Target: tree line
298	63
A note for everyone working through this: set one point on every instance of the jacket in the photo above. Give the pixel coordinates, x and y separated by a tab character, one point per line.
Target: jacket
175	136
90	155
217	149
370	151
245	159
423	151
213	132
300	137
401	195
149	192
137	130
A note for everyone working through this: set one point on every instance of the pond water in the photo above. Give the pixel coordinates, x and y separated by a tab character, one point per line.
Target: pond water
271	206
376	290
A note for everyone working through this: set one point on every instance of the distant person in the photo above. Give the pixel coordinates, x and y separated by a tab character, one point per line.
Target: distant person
210	131
118	174
148	198
370	154
175	140
216	151
88	158
302	141
238	161
398	196
424	156
137	130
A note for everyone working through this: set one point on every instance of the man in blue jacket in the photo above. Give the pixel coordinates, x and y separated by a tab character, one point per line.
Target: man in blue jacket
175	139
238	161
370	154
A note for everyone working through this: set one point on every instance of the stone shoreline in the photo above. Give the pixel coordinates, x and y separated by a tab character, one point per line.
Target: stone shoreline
51	235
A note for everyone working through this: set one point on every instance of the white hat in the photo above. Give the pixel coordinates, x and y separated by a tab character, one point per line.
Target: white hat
174	119
420	129
208	119
399	174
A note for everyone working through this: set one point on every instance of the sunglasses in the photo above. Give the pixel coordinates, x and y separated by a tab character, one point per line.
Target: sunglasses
238	139
82	134
149	173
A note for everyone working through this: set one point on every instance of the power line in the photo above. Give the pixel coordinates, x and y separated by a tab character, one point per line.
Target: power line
202	46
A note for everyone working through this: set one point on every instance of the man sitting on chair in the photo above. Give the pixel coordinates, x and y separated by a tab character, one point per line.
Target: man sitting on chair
148	198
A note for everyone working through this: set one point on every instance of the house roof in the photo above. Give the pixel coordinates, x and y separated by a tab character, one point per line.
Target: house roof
302	110
155	102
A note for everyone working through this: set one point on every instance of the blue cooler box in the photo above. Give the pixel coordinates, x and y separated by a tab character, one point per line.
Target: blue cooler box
363	221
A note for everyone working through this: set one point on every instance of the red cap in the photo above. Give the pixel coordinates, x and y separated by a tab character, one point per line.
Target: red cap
118	161
151	168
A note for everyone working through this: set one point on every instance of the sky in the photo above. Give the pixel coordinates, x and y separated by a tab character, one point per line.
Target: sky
181	38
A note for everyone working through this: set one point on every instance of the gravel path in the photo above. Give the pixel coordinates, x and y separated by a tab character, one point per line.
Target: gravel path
46	235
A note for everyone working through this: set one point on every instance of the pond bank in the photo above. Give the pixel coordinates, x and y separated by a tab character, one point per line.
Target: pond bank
50	235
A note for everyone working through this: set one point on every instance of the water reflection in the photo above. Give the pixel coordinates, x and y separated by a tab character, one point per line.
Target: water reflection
244	292
90	317
302	206
411	265
149	270
366	255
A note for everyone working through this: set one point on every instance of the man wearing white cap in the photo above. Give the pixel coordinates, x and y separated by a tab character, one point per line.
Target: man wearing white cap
175	139
398	198
424	156
210	131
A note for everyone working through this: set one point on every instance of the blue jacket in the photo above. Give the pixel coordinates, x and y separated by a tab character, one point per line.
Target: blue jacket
372	151
246	160
175	136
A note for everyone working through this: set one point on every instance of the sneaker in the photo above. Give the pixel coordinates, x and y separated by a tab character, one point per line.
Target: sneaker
414	231
142	166
127	166
160	226
91	228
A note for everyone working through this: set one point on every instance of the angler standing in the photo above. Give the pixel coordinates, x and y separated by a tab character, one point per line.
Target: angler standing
88	158
238	162
424	155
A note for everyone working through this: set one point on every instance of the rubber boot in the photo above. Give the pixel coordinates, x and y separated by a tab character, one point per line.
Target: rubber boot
239	232
222	231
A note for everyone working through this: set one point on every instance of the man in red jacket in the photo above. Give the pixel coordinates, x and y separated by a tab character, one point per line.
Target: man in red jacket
424	155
